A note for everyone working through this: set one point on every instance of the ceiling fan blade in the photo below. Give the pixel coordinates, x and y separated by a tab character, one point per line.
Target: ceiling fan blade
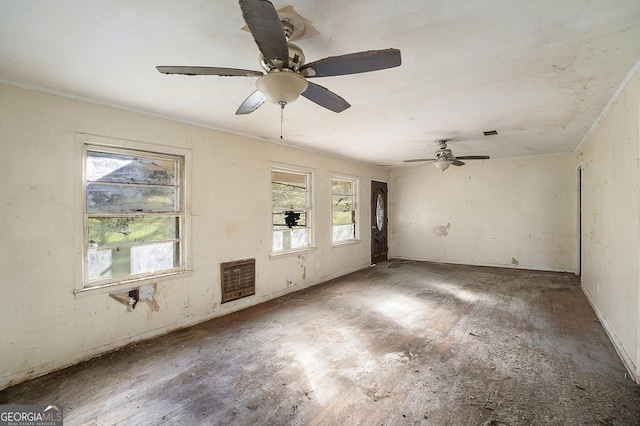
421	160
353	63
473	157
225	72
252	103
263	22
457	162
325	98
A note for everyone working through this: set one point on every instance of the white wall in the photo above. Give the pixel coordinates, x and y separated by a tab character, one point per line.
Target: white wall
518	212
44	325
611	222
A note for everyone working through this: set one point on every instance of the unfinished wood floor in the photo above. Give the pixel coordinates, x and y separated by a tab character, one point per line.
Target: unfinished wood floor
412	343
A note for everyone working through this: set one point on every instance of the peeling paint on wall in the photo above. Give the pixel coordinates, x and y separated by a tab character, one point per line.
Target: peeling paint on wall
442	231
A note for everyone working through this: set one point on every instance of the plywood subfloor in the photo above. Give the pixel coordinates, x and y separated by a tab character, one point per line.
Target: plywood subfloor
409	343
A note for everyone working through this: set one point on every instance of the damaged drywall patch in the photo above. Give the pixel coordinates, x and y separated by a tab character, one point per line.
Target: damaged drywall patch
130	298
442	231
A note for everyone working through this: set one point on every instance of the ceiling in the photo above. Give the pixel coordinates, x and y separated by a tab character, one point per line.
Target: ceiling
539	72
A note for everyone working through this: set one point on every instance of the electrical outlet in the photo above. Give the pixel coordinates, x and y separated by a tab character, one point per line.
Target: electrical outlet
598	288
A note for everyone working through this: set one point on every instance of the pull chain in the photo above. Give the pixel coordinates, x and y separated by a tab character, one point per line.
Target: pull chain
282	104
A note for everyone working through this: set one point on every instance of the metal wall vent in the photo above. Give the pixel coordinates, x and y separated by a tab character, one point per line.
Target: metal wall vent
238	279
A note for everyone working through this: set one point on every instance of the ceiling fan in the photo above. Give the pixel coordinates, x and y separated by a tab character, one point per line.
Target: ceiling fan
285	73
445	158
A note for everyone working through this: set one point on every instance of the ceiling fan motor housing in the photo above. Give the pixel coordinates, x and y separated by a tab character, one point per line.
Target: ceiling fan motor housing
443	153
296	59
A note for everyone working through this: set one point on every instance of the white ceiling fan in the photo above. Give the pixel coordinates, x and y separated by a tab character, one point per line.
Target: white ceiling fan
445	158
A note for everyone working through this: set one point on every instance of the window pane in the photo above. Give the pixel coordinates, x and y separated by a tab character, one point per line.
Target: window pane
344	233
289	190
344	218
100	264
278	241
119	198
118	230
342	201
344	205
153	257
290	198
287	196
341	187
141	183
296	179
109	167
291	239
299	238
129	260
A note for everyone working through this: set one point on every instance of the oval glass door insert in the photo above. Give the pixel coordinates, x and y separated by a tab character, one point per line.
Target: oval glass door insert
379	212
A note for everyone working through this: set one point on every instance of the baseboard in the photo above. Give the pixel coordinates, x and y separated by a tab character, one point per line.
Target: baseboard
62	363
324	279
627	360
488	265
218	311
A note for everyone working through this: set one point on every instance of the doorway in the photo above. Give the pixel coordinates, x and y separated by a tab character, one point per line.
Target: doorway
379	222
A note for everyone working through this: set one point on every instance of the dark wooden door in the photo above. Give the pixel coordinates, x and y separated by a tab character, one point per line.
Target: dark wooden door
379	221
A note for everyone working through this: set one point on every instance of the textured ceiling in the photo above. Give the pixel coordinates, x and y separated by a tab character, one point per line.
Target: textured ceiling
539	72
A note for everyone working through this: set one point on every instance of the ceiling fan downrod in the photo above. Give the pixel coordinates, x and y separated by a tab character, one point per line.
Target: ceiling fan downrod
282	105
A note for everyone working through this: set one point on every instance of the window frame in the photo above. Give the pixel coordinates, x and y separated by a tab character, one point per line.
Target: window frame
309	209
108	145
355	181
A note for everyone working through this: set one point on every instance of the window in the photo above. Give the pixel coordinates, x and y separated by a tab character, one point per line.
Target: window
134	215
291	201
344	204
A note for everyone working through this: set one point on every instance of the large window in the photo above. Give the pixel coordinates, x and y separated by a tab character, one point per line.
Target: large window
134	215
344	204
291	218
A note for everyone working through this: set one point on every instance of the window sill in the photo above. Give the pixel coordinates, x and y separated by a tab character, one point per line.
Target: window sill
345	243
292	252
129	284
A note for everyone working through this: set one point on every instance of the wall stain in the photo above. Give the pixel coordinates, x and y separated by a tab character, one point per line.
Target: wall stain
514	261
302	260
442	231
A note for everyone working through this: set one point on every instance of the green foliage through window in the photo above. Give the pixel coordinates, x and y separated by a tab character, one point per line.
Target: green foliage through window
290	197
134	214
344	209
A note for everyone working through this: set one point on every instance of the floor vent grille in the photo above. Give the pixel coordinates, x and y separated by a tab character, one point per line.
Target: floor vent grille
238	279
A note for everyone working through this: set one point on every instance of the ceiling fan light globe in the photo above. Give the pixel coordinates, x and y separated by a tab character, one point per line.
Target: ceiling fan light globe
282	86
443	164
